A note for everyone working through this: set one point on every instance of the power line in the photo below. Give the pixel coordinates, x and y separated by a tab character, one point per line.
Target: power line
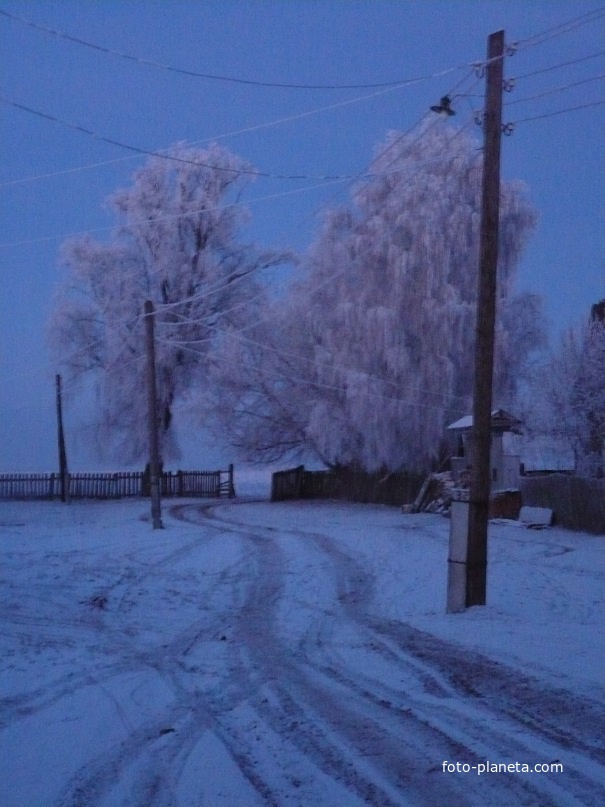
149	152
562	28
344	369
559	112
322	385
549	33
239	171
212	76
555	90
258	127
336	181
167	156
226	205
268	197
246	130
560	64
159	152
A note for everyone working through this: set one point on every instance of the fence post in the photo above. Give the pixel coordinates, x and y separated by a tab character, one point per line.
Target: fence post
300	481
231	493
274	486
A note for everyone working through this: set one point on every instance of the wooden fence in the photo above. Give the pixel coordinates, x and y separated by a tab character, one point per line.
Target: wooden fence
577	503
287	484
116	485
356	486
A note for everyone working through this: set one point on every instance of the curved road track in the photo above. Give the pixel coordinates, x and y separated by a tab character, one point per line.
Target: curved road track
283	687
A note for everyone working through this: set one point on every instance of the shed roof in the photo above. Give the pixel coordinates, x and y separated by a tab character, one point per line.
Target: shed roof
501	421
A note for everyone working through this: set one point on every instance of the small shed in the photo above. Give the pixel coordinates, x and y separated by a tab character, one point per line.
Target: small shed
505	465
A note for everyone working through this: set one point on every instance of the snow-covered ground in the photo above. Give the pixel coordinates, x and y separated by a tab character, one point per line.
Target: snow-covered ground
292	654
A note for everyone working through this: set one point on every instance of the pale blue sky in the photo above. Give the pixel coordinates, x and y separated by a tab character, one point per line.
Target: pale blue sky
560	157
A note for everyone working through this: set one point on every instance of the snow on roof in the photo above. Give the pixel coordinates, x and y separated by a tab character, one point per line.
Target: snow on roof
546	454
499	417
539	453
464	423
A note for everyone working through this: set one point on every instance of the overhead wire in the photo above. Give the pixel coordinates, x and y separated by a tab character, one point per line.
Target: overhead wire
562	28
559	65
324	385
171	157
538	38
554	114
165	153
342	368
555	90
74	381
327	178
175	216
188	144
110	228
210	76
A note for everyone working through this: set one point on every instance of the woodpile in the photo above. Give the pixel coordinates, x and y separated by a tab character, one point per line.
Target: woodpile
435	495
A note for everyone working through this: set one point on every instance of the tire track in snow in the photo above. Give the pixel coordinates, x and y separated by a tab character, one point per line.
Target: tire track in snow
152	764
113	628
348	736
491	692
271	698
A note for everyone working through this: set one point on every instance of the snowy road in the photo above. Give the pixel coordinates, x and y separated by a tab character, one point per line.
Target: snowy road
291	654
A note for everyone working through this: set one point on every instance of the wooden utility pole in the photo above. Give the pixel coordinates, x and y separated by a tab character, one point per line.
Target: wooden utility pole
61	440
152	419
476	573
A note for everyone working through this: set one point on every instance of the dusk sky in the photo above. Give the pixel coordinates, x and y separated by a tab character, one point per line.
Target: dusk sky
54	178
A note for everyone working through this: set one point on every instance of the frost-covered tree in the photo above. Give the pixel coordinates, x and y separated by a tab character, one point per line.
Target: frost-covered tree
568	397
371	353
178	244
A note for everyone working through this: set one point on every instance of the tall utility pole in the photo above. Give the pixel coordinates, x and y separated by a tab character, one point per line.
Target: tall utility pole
61	440
152	419
476	569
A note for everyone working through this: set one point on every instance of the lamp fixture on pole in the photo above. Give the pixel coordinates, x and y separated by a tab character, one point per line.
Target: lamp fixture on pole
444	107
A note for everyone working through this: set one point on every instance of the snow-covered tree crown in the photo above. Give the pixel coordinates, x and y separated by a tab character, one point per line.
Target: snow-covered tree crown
383	318
177	244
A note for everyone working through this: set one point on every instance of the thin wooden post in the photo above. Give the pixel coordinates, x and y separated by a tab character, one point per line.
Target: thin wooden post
61	440
152	420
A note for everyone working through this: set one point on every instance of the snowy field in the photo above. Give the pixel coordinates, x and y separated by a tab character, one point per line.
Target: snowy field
292	654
